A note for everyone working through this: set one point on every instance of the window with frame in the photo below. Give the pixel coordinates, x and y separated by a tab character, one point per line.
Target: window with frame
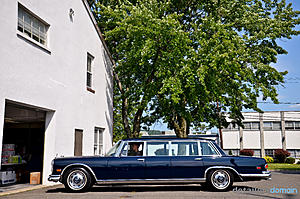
98	141
89	74
295	125
251	125
32	26
133	149
157	148
272	125
184	148
207	149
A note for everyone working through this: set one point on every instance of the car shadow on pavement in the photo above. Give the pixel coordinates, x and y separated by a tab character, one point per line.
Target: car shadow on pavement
135	188
147	188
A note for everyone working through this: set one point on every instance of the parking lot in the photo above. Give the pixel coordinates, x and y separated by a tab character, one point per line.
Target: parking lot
281	182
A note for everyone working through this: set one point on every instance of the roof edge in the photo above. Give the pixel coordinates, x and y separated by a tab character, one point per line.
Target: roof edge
86	5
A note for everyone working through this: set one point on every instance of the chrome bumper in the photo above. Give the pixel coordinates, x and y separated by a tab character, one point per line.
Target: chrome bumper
264	175
54	178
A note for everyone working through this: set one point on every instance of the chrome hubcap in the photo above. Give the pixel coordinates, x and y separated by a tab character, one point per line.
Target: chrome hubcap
76	180
220	179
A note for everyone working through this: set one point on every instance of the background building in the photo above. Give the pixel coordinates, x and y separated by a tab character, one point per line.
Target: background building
265	132
55	84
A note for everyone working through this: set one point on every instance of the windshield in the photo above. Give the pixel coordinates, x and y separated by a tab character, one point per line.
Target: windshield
113	150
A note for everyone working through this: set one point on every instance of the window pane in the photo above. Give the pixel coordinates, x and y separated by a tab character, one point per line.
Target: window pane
95	137
207	149
289	125
157	148
135	149
276	125
184	148
267	125
89	80
124	150
297	125
31	26
247	125
255	125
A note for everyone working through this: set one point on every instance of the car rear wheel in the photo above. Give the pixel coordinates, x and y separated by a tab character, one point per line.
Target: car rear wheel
220	180
77	180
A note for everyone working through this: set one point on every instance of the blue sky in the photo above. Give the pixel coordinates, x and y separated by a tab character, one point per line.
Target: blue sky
290	93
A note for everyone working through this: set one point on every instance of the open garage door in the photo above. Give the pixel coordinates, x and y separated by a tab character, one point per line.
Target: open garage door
23	141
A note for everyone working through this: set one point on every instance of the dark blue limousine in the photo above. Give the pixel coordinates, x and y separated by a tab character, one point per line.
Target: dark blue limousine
157	161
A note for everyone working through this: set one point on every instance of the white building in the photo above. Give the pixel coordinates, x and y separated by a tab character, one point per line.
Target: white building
55	83
265	132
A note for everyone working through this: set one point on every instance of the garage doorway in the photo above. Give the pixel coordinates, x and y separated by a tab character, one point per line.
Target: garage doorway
23	141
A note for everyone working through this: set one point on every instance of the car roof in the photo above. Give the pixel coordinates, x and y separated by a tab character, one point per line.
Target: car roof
144	138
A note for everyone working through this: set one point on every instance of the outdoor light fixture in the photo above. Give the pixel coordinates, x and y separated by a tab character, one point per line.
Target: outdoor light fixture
71	13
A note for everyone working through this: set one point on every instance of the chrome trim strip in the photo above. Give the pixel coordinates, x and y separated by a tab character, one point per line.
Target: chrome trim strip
82	165
54	178
263	175
149	181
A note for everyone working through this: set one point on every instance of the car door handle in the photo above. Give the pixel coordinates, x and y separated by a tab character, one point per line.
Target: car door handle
198	159
141	159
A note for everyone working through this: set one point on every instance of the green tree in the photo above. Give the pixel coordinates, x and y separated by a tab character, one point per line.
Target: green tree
187	62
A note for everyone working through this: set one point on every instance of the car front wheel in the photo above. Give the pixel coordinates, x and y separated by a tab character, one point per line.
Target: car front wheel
220	180
77	180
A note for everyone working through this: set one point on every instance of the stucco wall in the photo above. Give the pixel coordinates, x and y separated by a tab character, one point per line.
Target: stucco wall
56	80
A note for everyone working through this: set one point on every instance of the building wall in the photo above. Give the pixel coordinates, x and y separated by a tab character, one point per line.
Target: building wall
272	139
251	139
231	140
54	78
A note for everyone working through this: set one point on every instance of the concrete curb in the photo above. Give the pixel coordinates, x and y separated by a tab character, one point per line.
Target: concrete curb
16	191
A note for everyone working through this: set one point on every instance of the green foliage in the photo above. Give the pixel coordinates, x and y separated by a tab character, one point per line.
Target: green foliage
188	61
269	159
290	160
230	152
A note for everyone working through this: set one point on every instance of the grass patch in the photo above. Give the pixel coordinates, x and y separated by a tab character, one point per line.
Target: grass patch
283	166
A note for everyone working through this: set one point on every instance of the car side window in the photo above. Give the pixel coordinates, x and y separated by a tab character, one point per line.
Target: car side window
184	148
207	149
157	148
133	149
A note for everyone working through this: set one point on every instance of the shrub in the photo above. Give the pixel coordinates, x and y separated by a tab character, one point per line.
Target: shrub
290	160
269	159
230	152
247	152
281	155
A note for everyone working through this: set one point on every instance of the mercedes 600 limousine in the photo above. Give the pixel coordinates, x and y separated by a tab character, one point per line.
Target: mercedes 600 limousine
158	161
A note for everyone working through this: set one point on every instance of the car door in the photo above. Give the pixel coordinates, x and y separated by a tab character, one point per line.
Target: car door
186	161
210	155
157	160
128	165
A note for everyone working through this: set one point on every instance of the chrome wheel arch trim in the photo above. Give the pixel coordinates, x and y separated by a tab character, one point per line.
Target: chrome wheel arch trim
80	165
222	167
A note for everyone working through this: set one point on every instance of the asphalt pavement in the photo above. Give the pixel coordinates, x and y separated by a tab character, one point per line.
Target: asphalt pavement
282	185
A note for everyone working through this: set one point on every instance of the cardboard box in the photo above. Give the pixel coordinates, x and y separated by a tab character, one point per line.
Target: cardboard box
35	177
7	177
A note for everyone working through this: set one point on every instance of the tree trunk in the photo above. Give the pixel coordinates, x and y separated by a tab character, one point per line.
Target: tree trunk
180	127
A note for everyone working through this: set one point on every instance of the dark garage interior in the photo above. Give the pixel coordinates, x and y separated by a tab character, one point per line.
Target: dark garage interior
23	144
